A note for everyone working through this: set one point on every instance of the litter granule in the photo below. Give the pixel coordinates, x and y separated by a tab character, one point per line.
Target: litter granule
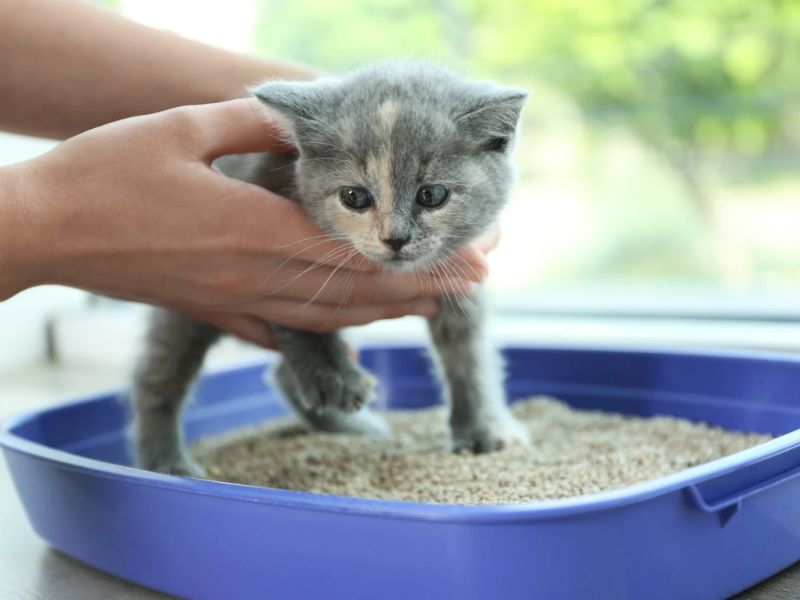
572	452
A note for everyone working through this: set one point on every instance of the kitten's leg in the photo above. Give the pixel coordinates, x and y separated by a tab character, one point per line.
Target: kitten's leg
472	376
328	390
176	346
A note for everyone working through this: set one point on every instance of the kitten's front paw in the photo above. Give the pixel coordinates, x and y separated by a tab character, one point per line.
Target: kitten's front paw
490	437
180	464
364	422
348	389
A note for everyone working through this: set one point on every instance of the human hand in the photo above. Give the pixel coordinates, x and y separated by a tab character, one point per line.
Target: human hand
133	210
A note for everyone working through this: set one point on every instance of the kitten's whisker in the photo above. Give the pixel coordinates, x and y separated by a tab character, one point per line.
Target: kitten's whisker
317	142
291	165
310	301
452	156
347	288
328	158
466	264
306	160
419	278
313	237
437	270
351	282
464	299
286	261
331	255
328	256
427	283
452	280
460	271
434	287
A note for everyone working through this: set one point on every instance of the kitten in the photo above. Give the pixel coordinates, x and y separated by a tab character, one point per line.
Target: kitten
408	161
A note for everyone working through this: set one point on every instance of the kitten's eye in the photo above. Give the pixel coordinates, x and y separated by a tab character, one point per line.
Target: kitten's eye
356	198
432	196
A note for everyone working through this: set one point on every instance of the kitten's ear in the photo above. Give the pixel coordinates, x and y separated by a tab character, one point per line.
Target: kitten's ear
300	103
493	117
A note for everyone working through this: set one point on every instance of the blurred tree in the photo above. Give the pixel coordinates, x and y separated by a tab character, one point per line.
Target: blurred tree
691	79
704	75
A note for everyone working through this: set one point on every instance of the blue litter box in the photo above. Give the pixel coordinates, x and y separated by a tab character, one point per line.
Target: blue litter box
707	532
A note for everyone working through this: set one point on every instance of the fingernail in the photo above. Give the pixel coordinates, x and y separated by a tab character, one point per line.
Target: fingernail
483	271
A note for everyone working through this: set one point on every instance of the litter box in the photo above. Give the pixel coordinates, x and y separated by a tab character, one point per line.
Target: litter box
706	532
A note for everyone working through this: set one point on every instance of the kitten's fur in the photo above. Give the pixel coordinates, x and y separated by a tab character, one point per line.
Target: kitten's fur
389	128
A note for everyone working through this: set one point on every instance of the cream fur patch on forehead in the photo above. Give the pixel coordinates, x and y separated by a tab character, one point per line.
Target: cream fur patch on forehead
387	114
379	168
379	172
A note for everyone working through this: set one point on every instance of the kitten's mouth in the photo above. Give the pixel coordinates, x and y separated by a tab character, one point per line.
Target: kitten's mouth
406	260
406	263
399	262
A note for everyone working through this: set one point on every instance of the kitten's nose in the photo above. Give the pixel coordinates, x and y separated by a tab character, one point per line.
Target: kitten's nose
396	243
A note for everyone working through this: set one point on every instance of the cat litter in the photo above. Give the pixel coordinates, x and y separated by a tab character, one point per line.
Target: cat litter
572	452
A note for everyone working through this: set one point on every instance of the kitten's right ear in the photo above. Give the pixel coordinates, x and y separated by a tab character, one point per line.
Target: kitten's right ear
300	103
493	118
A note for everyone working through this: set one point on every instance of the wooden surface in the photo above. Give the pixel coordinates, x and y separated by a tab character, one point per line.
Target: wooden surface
29	570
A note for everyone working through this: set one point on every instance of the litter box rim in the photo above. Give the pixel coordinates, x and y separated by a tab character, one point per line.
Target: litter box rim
686	480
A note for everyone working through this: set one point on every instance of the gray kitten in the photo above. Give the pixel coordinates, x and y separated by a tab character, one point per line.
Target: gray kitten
407	161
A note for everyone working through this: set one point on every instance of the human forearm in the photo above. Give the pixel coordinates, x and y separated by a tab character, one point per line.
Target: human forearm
20	253
70	65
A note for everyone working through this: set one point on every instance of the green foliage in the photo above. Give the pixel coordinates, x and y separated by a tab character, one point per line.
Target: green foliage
705	75
341	35
112	4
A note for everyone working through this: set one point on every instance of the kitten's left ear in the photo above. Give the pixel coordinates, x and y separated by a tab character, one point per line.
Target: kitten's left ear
493	118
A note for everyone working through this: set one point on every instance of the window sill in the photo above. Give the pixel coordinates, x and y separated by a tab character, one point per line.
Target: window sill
112	337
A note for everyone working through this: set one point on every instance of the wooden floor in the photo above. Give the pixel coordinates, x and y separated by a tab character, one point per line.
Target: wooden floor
29	569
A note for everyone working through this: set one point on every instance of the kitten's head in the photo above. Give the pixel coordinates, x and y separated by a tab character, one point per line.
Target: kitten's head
407	161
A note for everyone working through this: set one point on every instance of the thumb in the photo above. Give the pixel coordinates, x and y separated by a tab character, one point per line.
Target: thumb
237	127
470	262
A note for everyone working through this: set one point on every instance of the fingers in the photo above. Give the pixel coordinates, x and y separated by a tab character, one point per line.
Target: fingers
236	127
251	329
248	328
489	240
470	262
393	286
322	318
307	282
